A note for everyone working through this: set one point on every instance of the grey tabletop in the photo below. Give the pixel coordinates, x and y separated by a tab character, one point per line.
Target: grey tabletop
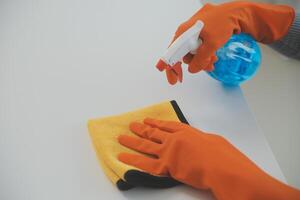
63	62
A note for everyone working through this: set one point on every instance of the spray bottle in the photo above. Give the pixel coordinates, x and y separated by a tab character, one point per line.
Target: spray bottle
238	59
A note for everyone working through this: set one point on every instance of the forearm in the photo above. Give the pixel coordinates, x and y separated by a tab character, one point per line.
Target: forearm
289	45
270	188
250	184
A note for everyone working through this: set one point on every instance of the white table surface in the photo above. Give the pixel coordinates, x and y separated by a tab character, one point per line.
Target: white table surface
65	61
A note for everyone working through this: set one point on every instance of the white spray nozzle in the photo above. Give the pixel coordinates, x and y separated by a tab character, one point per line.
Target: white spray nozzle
187	42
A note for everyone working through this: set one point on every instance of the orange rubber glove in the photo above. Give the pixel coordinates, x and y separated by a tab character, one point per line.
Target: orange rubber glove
202	160
266	23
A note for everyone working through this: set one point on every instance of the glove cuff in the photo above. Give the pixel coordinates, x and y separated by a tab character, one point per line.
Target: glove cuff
289	45
266	22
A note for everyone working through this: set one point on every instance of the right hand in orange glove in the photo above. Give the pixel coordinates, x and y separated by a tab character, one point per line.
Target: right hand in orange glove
266	23
202	160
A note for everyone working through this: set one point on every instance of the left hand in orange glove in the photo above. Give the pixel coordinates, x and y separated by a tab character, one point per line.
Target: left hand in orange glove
202	160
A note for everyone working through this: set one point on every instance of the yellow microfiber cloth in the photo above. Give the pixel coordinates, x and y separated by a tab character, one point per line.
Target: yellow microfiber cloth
104	133
114	178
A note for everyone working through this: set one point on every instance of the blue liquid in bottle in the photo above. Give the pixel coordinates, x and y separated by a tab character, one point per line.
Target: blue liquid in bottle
238	60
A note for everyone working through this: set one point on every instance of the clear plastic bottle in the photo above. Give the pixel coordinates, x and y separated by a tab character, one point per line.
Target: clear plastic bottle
238	60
